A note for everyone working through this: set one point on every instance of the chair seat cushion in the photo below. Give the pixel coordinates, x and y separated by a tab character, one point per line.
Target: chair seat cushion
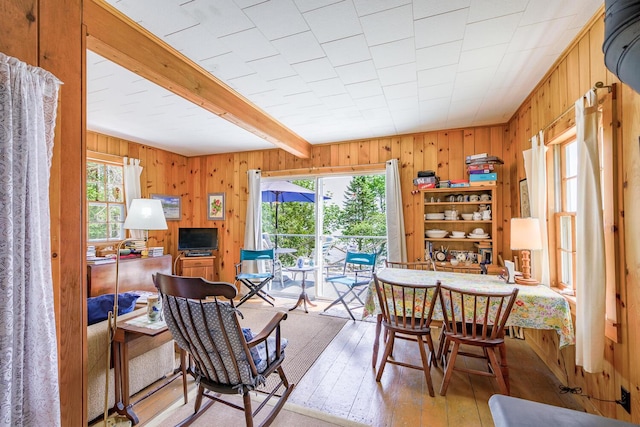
253	276
262	350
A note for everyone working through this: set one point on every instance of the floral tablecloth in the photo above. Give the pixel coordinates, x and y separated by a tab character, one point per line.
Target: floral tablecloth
536	307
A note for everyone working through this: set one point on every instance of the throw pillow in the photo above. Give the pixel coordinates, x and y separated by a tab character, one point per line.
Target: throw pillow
98	308
255	355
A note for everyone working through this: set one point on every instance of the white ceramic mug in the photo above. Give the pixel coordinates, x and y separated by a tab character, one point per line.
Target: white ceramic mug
478	231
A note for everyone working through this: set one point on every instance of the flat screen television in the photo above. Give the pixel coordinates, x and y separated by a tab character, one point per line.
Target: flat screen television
197	240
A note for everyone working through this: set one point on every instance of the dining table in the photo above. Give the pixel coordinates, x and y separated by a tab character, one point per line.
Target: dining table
536	307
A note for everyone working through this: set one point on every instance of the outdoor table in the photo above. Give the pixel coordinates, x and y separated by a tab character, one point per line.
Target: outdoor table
303	298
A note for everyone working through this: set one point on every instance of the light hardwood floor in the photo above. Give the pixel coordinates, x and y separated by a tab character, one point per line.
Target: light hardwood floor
341	382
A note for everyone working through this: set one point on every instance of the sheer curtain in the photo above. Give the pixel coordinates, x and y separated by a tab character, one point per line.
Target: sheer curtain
590	265
132	172
29	393
396	239
535	165
253	227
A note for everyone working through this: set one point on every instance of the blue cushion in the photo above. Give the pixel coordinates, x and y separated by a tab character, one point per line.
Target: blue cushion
255	355
98	308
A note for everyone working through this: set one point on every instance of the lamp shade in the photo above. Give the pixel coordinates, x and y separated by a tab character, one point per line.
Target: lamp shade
145	214
525	234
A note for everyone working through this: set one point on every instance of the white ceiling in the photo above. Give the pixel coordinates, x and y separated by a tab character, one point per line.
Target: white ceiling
333	70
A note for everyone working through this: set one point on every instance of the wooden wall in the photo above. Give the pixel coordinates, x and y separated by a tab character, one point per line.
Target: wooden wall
193	178
574	74
49	35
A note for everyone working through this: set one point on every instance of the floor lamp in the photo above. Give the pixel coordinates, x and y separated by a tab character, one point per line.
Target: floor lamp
143	214
525	236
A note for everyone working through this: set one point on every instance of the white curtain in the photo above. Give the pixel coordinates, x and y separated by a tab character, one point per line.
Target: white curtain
132	190
253	227
396	239
29	393
590	266
535	165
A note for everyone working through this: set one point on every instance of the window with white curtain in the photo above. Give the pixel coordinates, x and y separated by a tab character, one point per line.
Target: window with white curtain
105	200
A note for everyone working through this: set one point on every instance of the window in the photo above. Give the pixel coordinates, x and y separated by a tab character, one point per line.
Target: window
105	200
567	199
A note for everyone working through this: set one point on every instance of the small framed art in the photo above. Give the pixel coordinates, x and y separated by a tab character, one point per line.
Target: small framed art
170	205
525	207
215	206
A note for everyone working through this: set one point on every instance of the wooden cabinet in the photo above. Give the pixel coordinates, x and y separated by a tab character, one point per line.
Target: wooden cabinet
135	275
202	266
470	246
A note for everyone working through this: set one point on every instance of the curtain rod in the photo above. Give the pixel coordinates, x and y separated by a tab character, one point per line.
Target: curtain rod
596	86
600	85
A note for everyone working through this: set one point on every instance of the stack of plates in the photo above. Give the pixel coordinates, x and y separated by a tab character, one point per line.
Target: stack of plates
478	236
438	216
436	234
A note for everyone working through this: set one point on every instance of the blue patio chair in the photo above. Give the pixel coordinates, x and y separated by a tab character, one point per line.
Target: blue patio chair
255	281
357	273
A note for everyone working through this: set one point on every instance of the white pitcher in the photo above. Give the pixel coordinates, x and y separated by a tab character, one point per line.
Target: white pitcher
486	215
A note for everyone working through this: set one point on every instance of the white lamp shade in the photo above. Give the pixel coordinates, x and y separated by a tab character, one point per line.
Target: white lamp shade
525	234
145	214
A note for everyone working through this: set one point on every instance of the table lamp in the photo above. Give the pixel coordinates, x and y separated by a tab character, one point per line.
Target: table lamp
143	214
525	236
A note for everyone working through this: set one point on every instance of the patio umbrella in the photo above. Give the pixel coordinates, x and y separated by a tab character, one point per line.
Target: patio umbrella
285	191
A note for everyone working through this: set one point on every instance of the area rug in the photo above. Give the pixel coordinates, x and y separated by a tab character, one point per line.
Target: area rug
222	415
308	335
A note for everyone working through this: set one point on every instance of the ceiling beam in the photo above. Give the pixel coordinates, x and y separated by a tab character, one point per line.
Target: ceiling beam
114	36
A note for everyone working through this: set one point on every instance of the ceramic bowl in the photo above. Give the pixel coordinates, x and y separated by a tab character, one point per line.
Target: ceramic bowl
457	234
478	231
454	262
467	216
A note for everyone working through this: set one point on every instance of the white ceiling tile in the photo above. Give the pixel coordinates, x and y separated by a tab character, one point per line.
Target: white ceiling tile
303	99
490	32
299	47
367	7
403	104
436	76
357	72
247	85
399	74
440	29
246	3
347	50
439	55
463	92
160	17
277	18
337	101
402	90
423	9
377	29
490	56
290	85
226	66
426	93
476	77
315	69
364	89
544	10
249	44
327	87
334	22
220	18
183	42
376	101
268	99
539	35
480	10
271	68
307	5
394	53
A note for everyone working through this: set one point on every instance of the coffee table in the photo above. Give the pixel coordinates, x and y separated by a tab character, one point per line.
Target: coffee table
303	298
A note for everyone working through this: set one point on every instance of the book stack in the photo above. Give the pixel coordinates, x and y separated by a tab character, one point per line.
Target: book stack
97	260
480	168
91	251
156	251
426	179
459	183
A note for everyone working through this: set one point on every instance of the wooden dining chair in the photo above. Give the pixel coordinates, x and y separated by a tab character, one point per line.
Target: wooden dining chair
406	314
413	265
475	319
225	358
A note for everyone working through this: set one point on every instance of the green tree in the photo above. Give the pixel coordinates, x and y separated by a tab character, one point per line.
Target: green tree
364	210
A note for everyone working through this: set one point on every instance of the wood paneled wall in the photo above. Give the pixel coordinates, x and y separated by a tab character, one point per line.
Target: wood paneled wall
193	178
574	74
49	35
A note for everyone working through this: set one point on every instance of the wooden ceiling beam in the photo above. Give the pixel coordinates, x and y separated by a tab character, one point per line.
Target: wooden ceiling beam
114	36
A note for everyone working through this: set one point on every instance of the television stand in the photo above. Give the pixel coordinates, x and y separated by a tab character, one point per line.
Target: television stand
198	266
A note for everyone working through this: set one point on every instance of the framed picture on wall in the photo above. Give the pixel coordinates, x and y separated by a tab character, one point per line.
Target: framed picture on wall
215	206
170	205
525	207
